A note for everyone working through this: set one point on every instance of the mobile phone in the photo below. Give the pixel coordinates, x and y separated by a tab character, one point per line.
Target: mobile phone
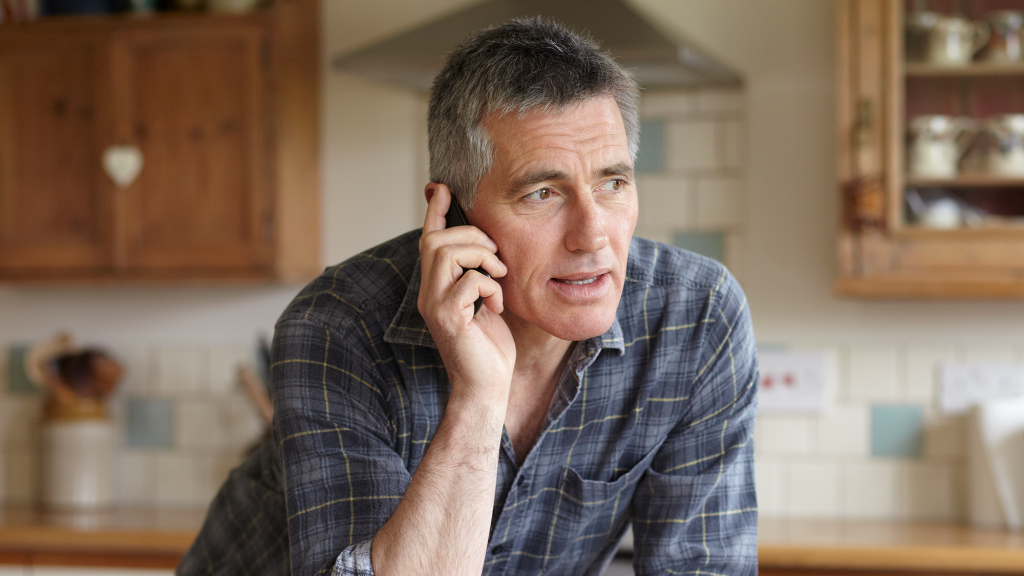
456	217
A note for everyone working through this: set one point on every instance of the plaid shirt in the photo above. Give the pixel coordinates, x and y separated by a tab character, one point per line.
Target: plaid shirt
651	423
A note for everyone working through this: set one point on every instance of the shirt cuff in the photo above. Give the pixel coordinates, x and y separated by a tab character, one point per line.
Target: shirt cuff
354	560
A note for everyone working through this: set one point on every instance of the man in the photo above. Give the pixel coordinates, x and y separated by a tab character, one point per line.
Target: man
605	380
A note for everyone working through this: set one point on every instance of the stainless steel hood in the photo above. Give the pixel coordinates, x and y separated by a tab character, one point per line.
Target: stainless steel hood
657	59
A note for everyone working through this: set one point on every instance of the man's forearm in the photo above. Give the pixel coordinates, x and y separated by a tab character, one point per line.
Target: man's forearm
441	525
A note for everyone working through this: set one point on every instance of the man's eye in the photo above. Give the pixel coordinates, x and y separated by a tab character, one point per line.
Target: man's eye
615	184
542	194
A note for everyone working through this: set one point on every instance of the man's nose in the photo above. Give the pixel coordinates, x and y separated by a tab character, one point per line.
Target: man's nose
586	231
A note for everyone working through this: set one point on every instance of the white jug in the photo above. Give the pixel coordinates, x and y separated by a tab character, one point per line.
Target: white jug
937	143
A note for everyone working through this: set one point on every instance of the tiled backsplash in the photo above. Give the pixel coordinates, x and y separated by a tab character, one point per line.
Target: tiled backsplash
883	449
183	422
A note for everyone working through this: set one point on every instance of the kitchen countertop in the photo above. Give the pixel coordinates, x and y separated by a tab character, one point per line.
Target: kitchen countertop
888	545
139	537
125	537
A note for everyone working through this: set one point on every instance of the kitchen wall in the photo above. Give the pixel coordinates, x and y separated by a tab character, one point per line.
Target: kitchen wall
766	189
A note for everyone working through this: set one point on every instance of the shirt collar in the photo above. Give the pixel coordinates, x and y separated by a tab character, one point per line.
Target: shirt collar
408	327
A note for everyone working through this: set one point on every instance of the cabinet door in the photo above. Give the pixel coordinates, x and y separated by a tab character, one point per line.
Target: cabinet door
55	201
192	100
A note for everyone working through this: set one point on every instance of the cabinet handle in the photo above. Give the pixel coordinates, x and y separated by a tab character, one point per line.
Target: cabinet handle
865	122
122	163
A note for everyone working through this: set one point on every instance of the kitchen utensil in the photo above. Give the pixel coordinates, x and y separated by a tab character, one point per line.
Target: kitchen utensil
1004	145
936	145
998	467
943	213
953	41
1007	37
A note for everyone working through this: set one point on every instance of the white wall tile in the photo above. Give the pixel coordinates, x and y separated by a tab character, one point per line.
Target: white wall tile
136	477
691	145
208	479
733	144
843	431
991	352
813	489
720	100
246	424
784	435
922	370
736	250
224	364
718	201
15	571
178	370
202	425
667	104
1018	353
873	373
770	477
665	202
870	489
931	490
175	480
139	369
21	479
19	420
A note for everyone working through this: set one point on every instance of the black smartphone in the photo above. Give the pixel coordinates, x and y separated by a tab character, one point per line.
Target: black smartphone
456	217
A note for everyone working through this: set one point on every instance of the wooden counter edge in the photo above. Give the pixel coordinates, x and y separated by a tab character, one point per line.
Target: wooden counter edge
902	557
35	539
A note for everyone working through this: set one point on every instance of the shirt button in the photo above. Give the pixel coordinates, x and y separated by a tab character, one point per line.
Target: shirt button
497	550
520	481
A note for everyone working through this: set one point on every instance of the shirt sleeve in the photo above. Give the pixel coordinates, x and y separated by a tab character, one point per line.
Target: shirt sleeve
343	478
695	511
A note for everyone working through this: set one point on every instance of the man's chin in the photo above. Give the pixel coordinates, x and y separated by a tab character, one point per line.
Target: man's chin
580	327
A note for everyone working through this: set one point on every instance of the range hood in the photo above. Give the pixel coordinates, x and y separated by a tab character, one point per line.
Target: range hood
657	59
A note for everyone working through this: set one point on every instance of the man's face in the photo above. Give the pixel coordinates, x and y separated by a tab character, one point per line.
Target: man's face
560	202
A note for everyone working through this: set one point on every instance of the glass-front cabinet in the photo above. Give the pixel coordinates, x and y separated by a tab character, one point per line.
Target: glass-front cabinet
931	148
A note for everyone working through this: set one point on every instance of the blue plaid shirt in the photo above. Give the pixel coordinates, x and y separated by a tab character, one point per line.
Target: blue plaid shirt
651	424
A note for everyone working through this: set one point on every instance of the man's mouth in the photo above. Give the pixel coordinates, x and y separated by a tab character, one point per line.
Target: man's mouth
579	282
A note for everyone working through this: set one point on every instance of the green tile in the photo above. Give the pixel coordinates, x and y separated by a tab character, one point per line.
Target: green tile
897	431
651	156
17	381
150	423
710	244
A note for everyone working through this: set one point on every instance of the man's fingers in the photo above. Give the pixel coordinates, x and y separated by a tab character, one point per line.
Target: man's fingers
437	207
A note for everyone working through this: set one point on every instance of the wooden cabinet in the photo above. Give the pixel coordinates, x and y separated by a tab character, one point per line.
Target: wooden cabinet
886	249
227	189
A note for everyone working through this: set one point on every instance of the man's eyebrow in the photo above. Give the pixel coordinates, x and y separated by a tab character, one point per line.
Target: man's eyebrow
618	169
530	179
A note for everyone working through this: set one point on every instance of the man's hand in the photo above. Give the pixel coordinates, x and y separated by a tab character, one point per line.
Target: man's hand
440	526
478	351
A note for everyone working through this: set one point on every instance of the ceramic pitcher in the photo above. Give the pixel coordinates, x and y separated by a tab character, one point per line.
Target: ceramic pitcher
1004	150
936	145
953	40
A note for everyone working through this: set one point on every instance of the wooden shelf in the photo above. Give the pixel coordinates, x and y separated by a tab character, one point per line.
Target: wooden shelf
886	288
974	69
966	181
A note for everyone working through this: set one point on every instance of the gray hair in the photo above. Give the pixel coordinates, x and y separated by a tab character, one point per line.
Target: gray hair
519	66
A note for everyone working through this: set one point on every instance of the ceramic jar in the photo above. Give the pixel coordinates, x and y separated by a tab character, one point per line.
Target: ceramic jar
78	457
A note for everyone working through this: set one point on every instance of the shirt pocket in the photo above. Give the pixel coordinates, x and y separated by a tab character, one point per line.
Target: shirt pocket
592	514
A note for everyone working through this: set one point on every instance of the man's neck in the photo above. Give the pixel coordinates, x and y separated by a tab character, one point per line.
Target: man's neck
539	355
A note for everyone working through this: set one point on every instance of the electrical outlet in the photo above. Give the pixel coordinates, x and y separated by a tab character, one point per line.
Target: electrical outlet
965	384
792	381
